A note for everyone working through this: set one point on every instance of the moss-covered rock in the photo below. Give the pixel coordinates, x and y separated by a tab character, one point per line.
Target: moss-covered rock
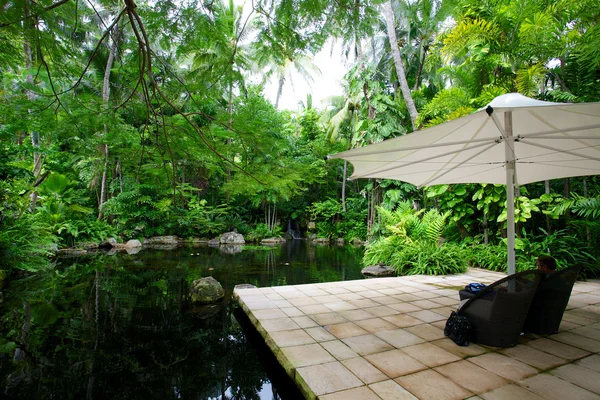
206	291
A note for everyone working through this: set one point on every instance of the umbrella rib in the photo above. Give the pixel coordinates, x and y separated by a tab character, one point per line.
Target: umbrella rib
456	166
377	170
393	150
560	150
562	130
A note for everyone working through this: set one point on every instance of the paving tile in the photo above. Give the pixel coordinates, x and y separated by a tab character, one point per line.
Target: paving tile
260	304
427	332
431	385
308	354
359	393
339	350
291	338
587	331
376	325
425	304
381	311
314	292
533	357
292	312
553	388
326	378
279	324
364	370
460	351
426	295
403	320
273	296
341	306
407	297
320	334
591	362
270	314
326	299
470	376
304	322
350	296
566	325
430	355
367	344
404	307
504	366
364	303
580	376
387	300
427	316
336	290
355	315
345	330
329	318
510	392
390	390
578	341
314	309
568	316
282	303
395	363
399	338
447	301
302	301
558	349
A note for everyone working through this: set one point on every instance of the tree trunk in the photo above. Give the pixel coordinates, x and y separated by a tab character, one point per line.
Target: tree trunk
548	220
279	90
486	237
391	28
344	186
31	96
105	98
420	70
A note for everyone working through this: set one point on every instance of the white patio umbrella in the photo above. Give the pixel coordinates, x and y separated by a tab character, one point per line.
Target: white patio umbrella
515	140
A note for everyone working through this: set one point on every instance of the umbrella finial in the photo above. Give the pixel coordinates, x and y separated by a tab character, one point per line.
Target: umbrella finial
489	110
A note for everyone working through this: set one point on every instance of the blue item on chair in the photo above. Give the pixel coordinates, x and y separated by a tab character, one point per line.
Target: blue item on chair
475	287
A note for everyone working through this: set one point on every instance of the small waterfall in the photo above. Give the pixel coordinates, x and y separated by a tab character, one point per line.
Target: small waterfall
295	233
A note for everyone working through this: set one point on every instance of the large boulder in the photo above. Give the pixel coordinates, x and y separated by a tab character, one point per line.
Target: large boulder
133	243
378	271
232	238
273	240
108	243
206	291
162	241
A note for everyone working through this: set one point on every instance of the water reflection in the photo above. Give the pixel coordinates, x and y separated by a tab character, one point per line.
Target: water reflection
120	327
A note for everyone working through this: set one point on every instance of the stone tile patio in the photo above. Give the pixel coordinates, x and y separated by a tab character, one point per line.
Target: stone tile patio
383	339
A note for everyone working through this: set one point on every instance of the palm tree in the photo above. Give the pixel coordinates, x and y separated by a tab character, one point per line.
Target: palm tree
398	62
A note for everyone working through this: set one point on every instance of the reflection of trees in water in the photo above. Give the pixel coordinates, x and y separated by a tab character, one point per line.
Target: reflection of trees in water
121	333
119	326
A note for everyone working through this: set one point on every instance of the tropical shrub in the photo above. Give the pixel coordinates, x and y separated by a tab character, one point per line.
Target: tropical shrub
261	231
414	244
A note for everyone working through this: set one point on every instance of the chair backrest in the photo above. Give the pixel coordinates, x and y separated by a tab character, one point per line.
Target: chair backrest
509	291
550	301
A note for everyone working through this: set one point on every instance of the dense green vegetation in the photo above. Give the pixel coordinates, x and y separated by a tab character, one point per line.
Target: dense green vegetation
140	119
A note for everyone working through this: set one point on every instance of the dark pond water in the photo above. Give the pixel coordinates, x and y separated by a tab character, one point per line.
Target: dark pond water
119	326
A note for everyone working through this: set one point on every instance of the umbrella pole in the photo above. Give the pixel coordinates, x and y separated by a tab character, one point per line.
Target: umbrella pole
510	191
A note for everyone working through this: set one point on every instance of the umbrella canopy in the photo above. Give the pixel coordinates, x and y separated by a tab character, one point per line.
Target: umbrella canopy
514	140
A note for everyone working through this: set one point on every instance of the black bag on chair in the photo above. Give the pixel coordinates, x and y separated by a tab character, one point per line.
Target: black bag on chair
458	328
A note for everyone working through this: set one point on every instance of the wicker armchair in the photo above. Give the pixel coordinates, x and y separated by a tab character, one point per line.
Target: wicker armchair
498	312
550	301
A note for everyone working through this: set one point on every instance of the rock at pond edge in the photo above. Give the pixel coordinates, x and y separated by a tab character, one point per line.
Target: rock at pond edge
206	291
379	270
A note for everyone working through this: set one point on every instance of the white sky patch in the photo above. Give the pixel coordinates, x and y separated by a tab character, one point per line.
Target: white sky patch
324	86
